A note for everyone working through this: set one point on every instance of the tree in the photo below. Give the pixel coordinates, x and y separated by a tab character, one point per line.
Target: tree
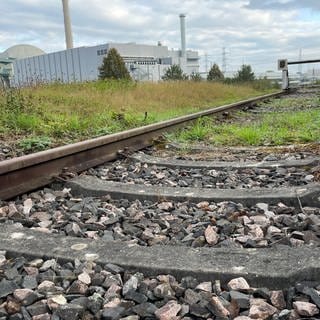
215	74
174	73
245	74
113	67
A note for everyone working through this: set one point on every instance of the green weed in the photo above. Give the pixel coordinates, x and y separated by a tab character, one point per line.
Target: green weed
199	131
34	144
14	101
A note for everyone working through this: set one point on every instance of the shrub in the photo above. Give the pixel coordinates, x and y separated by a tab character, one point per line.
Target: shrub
195	76
245	74
215	74
174	73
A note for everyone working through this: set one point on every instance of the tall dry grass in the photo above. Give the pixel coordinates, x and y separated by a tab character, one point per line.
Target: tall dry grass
137	97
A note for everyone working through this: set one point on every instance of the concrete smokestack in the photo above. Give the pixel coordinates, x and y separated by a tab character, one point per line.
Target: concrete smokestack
183	34
67	24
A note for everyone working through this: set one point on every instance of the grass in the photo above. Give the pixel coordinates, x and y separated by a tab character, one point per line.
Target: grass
66	113
269	129
200	131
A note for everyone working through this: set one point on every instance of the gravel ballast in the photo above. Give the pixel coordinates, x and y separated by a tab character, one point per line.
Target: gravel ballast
49	289
133	172
204	224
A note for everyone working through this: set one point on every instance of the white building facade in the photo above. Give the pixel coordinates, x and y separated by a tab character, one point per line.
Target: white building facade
144	62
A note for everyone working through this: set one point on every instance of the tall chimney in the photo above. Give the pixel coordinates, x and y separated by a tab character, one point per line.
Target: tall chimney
183	34
67	24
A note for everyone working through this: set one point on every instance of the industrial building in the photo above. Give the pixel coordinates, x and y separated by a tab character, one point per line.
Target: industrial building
144	62
10	55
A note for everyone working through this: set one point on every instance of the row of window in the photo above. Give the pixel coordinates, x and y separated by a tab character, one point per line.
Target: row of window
142	62
102	52
136	60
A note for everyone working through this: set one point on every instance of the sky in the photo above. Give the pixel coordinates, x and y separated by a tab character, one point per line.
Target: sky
255	32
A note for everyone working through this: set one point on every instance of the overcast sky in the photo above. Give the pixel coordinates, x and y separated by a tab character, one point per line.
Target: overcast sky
255	32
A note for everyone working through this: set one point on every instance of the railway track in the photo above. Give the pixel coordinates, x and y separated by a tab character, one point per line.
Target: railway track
29	172
234	235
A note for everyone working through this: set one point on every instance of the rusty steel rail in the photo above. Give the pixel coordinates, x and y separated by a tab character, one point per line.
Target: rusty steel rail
26	173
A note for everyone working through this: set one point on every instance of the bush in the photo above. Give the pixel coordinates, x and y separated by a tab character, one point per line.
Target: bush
245	74
174	73
113	67
195	76
215	74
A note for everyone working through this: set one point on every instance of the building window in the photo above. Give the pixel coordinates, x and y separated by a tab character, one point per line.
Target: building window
102	52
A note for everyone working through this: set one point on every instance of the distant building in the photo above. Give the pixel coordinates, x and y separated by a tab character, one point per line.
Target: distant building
144	62
15	52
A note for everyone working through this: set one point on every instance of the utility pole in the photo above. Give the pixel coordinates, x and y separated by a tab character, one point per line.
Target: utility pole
224	60
67	24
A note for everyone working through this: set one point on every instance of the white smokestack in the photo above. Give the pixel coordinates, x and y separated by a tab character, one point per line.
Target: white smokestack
183	34
67	24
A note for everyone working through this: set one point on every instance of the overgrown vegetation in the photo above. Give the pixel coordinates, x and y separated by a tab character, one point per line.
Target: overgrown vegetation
49	115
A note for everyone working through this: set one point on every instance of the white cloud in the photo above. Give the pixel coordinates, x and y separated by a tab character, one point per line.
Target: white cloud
253	31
